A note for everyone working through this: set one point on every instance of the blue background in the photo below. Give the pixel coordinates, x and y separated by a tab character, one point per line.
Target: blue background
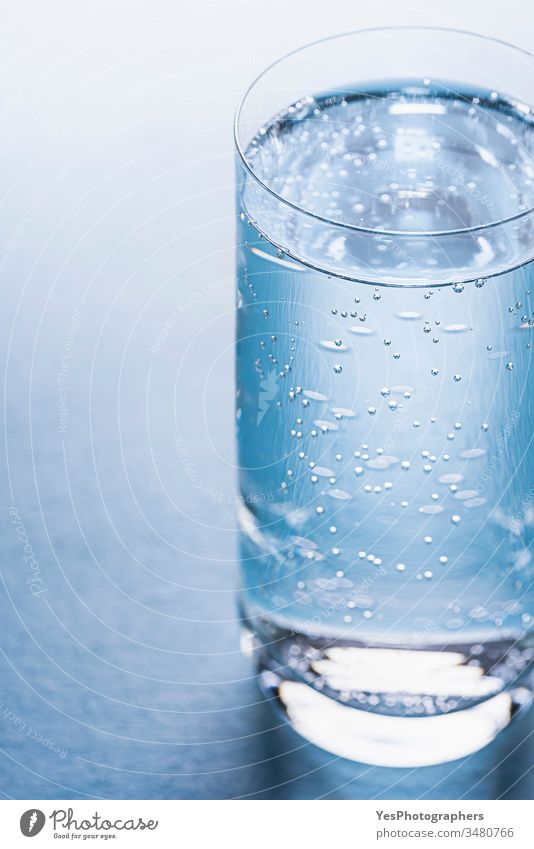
122	678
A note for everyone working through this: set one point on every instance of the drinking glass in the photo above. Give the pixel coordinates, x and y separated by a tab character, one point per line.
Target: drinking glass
385	389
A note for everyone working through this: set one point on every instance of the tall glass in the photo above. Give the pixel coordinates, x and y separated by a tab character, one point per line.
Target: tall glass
385	390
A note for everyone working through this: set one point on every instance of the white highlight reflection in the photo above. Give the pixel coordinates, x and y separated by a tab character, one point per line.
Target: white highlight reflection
388	740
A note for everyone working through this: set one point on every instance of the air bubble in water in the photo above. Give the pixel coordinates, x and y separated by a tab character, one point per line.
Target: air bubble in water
387	342
457	378
458	287
371	410
338	369
455	519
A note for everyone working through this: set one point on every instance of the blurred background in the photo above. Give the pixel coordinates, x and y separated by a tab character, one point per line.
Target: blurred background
120	674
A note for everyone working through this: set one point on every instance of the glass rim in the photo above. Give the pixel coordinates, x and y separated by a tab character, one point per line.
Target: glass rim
425	234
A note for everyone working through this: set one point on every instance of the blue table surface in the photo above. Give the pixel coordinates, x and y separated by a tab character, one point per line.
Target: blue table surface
121	675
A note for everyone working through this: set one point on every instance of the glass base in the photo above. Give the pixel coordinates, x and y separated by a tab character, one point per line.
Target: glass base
390	707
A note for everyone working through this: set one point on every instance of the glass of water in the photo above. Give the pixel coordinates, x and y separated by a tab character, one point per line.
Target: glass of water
385	389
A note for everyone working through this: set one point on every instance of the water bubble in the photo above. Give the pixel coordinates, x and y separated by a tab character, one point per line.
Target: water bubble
338	343
509	366
385	391
428	540
338	369
416	424
443	559
455	519
457	287
358	471
405	465
489	347
332	529
396	355
371	410
362	555
339	457
427	468
457	426
387	342
434	372
427	574
314	478
376	295
265	313
485	426
480	282
426	327
400	567
457	378
393	405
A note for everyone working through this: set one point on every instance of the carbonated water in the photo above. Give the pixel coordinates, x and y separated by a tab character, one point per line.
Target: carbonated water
385	431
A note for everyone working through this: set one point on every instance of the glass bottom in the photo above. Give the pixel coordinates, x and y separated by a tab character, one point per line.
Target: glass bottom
390	706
